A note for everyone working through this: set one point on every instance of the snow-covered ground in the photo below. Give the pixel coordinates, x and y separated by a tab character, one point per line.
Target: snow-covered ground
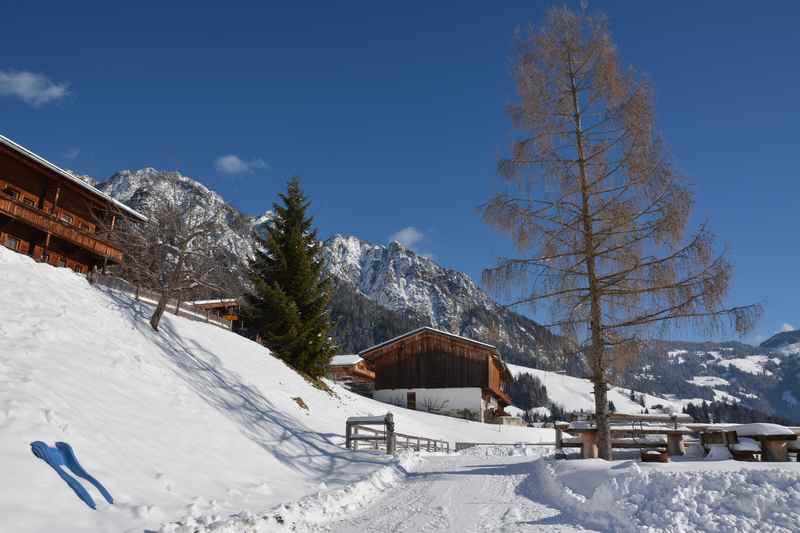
681	496
519	489
195	429
708	381
193	421
752	364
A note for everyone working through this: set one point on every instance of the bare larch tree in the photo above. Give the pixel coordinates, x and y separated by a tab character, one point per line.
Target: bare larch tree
597	211
176	251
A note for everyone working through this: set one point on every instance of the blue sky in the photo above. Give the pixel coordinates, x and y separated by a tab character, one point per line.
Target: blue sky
393	114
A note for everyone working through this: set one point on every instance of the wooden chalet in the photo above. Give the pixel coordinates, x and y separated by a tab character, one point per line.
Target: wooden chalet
350	367
434	370
52	215
226	309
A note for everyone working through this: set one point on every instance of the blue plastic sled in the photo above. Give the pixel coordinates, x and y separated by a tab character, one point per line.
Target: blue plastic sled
63	455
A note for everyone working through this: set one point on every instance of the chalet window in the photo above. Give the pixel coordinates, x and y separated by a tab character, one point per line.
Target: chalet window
67	218
28	201
11	242
11	192
411	400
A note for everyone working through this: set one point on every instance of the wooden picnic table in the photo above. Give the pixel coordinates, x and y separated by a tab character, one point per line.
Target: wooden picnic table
774	448
774	445
589	437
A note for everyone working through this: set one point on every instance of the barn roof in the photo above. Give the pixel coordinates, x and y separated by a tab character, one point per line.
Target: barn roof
433	330
68	176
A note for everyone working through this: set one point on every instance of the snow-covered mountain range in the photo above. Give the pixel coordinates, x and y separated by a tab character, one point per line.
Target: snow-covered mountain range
410	289
413	285
384	290
137	188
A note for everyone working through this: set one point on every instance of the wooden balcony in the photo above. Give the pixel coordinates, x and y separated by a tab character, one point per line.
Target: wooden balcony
50	224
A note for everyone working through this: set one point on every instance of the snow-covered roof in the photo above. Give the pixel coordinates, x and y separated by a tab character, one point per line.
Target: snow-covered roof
231	301
345	360
428	328
760	428
67	175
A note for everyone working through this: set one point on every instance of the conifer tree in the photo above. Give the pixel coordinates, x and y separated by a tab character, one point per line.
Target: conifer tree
289	302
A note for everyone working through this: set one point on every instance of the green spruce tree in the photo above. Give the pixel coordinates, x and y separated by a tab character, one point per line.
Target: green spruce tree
289	302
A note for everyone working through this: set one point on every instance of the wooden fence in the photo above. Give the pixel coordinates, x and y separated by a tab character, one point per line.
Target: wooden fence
145	295
464	445
359	430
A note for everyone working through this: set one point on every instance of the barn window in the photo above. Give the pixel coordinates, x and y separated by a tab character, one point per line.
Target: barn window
411	400
66	218
11	242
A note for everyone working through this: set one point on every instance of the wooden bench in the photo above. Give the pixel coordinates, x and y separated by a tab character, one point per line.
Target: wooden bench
621	438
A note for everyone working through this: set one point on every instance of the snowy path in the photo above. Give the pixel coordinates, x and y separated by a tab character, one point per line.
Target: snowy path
460	494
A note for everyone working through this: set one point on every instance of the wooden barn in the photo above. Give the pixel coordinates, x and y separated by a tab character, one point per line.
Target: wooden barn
433	370
52	215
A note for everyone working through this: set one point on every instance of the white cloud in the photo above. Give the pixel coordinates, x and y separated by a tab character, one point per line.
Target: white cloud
408	237
72	153
787	327
33	89
233	164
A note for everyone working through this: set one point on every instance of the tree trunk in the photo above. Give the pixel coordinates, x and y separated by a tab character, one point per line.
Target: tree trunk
597	345
178	302
160	308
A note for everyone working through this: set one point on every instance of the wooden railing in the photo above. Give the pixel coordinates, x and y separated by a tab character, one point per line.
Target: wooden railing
465	445
388	439
145	295
49	223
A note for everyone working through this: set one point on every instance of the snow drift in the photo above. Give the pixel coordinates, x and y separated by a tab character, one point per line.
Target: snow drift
626	496
193	421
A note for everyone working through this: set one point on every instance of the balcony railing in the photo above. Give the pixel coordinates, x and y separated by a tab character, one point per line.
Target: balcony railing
49	223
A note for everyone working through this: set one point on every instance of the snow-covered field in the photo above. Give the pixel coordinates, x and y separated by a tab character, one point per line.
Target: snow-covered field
752	364
193	421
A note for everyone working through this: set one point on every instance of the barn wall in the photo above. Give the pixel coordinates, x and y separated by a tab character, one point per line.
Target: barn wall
451	401
431	361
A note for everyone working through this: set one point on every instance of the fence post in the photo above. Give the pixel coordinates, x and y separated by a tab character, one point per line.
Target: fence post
560	427
390	436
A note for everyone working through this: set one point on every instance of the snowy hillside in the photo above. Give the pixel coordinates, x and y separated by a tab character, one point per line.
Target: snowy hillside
755	377
191	421
575	394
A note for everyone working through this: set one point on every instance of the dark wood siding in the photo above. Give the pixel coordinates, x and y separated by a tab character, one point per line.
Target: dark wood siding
35	203
431	359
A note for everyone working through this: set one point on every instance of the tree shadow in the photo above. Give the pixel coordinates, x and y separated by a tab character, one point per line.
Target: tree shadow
315	455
